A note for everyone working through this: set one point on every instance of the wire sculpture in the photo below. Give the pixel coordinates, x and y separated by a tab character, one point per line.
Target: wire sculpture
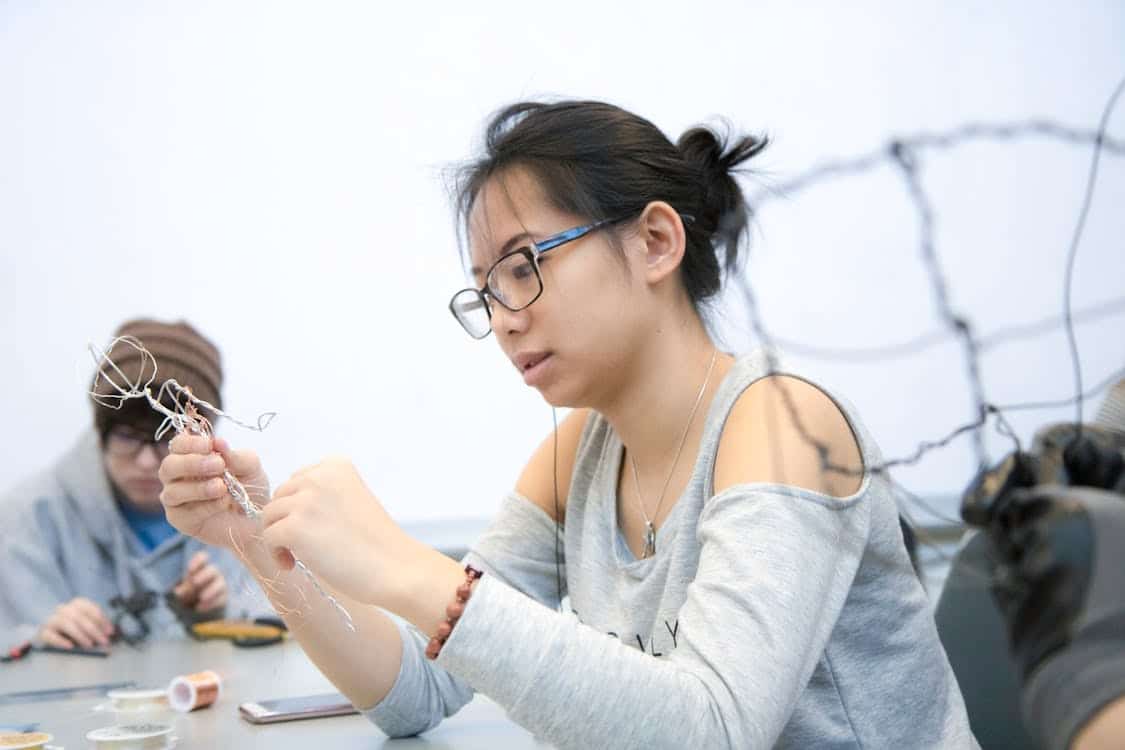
186	415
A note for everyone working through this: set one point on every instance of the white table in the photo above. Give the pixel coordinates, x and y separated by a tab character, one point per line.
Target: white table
253	674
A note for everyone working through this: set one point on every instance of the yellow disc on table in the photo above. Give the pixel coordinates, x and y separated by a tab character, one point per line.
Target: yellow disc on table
235	629
24	740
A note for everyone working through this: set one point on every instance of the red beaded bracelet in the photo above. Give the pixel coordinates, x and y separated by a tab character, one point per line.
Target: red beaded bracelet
453	612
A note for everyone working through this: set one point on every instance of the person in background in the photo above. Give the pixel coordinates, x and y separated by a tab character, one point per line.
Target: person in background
90	531
1059	546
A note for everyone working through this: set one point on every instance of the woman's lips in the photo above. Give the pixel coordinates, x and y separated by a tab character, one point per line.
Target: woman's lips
537	369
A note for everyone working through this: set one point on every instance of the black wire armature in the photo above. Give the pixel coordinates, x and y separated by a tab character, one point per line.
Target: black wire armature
922	342
904	153
1072	254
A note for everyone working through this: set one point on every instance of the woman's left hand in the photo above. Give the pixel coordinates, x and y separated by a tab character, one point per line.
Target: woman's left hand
326	517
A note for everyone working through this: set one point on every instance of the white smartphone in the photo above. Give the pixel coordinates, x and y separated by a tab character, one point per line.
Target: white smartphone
292	709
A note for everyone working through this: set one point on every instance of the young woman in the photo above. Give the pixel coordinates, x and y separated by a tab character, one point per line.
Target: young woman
725	588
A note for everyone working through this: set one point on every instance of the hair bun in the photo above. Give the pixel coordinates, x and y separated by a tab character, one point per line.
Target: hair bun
713	152
724	213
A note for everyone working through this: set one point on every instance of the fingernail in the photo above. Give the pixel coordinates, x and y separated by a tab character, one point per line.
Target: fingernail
213	463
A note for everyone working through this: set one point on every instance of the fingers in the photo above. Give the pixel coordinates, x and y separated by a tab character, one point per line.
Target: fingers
92	623
203	587
288	488
203	578
189	518
185	443
280	530
194	458
197	563
214	595
204	590
314	473
280	507
241	463
301	478
189	478
185	592
295	483
52	630
81	631
52	637
94	613
177	467
78	622
192	491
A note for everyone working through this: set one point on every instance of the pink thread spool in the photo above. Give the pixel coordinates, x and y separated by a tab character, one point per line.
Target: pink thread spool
194	691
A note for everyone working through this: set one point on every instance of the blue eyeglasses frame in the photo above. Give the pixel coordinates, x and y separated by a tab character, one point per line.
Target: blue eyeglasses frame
532	253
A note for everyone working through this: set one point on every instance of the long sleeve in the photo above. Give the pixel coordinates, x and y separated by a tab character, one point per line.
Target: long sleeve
32	582
775	568
48	556
518	548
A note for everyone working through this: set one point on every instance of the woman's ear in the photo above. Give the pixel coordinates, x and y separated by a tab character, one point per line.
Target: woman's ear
661	230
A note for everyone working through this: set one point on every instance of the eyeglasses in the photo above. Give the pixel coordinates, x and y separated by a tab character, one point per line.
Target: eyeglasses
128	444
513	281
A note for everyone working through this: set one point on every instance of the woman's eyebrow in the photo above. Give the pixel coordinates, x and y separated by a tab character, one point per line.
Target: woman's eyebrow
506	247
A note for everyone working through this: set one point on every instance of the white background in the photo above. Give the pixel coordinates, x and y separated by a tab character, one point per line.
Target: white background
273	173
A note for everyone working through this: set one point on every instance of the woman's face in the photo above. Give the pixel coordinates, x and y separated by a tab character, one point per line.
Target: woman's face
571	343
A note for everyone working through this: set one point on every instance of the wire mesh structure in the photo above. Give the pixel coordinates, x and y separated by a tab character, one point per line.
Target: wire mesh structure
905	155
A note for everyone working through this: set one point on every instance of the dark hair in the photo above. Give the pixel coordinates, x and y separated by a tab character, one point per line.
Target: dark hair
599	161
135	414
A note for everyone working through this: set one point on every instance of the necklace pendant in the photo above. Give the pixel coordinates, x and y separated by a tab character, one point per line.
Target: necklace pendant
650	540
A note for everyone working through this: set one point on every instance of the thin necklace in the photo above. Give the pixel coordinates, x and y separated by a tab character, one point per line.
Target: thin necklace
650	530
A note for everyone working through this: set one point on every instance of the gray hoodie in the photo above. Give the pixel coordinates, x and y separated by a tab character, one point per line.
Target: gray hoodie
63	536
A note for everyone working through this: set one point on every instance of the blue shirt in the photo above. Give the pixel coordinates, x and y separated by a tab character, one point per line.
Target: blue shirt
151	528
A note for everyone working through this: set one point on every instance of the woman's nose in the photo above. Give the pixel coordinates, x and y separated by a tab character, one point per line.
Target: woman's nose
506	322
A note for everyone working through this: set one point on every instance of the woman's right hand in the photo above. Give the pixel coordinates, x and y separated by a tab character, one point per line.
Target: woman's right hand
195	497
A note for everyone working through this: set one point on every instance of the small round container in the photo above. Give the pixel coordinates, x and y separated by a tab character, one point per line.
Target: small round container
24	740
131	707
133	737
194	691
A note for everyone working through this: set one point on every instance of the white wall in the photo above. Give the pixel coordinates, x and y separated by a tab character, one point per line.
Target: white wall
271	172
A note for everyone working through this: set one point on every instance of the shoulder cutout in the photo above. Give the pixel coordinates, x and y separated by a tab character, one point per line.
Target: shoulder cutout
771	435
537	482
